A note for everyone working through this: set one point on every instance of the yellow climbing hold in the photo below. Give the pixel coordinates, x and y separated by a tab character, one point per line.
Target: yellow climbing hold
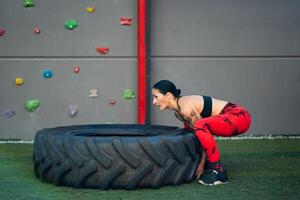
19	81
90	9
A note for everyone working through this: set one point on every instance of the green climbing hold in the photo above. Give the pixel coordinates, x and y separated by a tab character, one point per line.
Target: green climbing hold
32	105
28	3
128	94
71	24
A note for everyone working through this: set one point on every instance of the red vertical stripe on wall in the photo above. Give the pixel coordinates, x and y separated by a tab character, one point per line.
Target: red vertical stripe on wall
142	61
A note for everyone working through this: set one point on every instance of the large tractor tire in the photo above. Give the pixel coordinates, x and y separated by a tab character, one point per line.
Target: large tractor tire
115	156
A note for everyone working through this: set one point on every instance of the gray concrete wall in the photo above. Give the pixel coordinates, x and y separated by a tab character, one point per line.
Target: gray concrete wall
243	51
247	52
25	54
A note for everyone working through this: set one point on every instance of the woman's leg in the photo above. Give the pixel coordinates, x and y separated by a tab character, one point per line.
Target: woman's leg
233	120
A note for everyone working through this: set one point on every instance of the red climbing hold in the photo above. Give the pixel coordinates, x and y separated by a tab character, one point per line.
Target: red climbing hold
103	50
76	70
127	21
37	30
112	102
2	32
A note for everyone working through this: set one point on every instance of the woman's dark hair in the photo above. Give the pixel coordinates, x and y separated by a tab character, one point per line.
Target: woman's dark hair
165	86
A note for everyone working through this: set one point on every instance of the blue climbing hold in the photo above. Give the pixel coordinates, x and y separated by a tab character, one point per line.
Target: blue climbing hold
47	74
9	113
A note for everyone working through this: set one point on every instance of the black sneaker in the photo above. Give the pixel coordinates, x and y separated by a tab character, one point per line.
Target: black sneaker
214	175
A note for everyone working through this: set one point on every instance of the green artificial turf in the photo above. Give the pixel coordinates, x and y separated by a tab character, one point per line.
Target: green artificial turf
258	169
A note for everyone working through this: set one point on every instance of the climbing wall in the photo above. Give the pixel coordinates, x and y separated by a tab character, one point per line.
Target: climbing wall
66	62
247	52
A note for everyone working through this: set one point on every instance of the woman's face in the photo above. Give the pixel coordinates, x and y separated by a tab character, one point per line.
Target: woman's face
159	99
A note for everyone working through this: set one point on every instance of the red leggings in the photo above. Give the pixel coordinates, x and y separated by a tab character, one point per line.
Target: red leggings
233	120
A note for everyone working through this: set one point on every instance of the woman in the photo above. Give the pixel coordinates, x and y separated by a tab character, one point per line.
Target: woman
206	117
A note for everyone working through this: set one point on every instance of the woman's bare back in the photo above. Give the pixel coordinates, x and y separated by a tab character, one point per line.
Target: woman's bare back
191	107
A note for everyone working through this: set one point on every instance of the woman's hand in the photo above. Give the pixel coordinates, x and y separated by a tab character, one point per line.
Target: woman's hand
200	170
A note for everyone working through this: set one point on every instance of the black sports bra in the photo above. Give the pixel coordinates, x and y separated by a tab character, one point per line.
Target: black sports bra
207	106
